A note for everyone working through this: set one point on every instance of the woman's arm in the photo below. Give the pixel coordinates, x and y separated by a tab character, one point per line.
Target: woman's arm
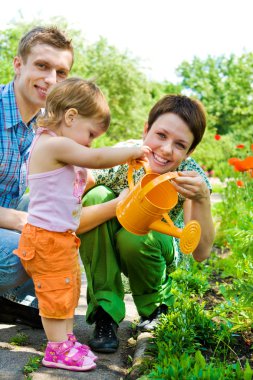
197	206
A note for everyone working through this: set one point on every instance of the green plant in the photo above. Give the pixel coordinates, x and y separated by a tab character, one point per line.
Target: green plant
20	339
188	282
32	365
235	218
195	367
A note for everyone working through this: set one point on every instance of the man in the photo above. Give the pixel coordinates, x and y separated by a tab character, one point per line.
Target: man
45	56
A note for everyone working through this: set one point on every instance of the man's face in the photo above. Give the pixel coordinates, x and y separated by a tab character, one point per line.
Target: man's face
170	140
44	66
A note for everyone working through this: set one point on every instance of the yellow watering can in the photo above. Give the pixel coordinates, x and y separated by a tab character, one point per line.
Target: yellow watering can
148	202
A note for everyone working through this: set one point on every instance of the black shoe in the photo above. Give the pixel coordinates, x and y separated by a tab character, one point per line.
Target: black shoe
16	313
150	323
105	333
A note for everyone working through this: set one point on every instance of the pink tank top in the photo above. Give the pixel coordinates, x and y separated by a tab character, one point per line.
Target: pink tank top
56	196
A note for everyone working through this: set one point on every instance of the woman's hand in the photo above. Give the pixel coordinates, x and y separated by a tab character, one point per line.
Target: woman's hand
191	185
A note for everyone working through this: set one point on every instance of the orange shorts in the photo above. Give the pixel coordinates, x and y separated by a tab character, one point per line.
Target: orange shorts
51	259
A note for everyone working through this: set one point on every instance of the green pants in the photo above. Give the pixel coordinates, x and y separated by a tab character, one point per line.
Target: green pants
109	249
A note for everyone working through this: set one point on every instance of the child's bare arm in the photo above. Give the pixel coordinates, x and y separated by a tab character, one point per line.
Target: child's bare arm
69	152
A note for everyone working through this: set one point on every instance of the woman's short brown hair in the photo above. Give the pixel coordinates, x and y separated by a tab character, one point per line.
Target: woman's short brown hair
191	111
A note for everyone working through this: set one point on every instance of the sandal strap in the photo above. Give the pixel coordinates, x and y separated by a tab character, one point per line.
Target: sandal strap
75	360
65	347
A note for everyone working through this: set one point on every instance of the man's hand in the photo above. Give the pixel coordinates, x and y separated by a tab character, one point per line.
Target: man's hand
12	219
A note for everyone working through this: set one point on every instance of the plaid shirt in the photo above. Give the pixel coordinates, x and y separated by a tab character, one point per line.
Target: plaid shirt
15	141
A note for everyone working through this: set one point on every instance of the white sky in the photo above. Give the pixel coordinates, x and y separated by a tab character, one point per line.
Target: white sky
161	33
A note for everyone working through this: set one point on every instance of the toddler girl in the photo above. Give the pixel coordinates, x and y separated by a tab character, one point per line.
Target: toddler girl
76	113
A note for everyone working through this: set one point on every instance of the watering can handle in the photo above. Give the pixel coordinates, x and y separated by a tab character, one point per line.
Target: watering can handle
156	181
136	164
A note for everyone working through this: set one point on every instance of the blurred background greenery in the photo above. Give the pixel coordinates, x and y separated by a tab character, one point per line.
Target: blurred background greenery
223	84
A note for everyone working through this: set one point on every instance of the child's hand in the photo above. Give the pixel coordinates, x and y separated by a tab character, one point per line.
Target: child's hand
142	153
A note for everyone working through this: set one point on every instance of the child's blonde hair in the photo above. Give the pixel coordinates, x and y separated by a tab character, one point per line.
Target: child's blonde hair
83	95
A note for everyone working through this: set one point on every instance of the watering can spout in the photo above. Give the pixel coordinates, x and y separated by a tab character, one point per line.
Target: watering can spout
165	228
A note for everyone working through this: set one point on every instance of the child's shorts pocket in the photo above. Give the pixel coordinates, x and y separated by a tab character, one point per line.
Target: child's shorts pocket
56	295
25	253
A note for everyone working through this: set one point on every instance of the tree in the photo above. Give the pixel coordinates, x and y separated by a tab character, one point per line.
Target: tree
224	85
124	85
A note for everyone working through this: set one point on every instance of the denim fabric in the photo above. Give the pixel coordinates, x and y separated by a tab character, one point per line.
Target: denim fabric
15	284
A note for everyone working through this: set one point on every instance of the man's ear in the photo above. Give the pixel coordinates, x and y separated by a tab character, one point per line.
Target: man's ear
17	64
70	115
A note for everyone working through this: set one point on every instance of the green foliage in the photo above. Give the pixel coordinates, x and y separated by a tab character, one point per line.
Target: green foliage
236	310
195	367
20	339
213	155
182	339
158	90
32	365
8	46
188	327
235	218
192	283
235	232
192	342
224	85
124	86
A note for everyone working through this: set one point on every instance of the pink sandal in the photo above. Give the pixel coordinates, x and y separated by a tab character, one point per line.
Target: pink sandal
86	349
66	355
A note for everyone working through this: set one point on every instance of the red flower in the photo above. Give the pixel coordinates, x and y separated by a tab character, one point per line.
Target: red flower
240	146
233	160
240	183
241	165
248	163
251	147
217	137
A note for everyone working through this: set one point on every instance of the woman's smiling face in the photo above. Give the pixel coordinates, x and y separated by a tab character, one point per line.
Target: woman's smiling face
170	140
